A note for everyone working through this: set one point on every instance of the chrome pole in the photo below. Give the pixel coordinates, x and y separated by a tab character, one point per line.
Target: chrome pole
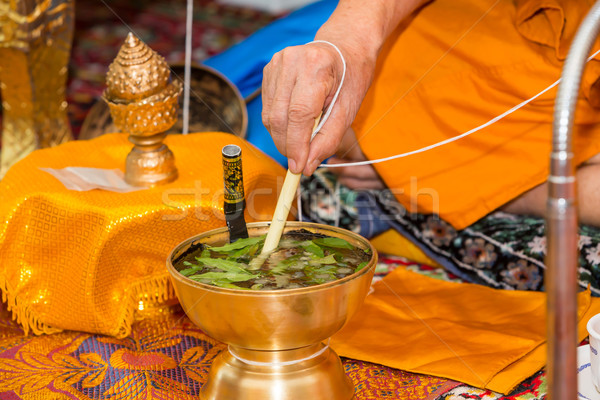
562	225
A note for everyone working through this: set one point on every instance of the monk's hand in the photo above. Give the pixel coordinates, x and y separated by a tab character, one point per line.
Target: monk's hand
298	84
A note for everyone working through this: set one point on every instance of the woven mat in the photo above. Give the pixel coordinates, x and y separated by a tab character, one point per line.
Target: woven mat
167	357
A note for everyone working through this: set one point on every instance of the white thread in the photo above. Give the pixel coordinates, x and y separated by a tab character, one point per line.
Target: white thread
335	96
187	72
452	139
280	363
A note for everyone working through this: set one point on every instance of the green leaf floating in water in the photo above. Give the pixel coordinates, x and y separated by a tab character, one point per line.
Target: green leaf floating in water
193	268
227	284
310	247
225	265
205	254
360	266
238	244
223	276
330	259
286	265
296	263
333	242
190	271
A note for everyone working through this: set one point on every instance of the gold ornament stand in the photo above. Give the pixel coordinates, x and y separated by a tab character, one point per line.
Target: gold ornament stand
143	102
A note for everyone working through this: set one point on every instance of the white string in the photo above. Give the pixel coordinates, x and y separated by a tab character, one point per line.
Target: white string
452	139
335	96
187	72
278	363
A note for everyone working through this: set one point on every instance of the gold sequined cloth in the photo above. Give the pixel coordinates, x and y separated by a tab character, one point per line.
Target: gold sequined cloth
95	261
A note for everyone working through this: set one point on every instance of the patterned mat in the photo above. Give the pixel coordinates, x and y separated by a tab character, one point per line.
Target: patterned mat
167	357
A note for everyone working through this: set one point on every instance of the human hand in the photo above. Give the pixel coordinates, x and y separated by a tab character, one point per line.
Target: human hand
298	84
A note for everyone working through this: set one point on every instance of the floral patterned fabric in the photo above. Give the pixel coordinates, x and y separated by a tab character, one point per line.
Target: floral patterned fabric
533	388
165	357
500	250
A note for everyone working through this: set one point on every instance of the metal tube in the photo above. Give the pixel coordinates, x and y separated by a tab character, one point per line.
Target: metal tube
562	226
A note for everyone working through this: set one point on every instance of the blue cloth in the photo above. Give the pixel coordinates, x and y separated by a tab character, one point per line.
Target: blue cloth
243	63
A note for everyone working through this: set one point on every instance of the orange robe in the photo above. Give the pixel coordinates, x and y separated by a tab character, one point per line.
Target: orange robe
456	65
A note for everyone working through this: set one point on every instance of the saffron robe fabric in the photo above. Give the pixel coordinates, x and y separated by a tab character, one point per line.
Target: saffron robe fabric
456	65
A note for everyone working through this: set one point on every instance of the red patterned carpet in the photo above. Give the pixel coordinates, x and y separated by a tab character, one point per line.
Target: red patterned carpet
165	357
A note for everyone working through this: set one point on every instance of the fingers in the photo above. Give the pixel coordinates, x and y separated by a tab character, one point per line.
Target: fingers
325	142
276	91
297	84
305	105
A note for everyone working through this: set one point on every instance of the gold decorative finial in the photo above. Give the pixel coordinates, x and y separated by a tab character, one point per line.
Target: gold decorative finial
143	103
131	40
137	71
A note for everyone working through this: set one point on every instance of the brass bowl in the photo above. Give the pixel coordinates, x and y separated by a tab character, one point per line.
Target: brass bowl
274	336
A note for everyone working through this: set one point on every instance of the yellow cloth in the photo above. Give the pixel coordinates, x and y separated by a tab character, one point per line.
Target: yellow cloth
93	261
393	243
455	66
487	338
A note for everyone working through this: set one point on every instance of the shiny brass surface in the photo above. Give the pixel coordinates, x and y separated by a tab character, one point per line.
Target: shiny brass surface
150	116
276	329
150	164
35	43
143	103
321	377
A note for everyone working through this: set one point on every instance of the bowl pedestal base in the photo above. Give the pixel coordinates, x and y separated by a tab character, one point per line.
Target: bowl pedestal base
313	372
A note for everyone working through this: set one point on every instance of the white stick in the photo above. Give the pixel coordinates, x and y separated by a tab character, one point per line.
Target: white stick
282	209
284	203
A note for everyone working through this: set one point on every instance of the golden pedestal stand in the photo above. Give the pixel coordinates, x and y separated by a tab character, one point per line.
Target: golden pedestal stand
143	103
321	377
